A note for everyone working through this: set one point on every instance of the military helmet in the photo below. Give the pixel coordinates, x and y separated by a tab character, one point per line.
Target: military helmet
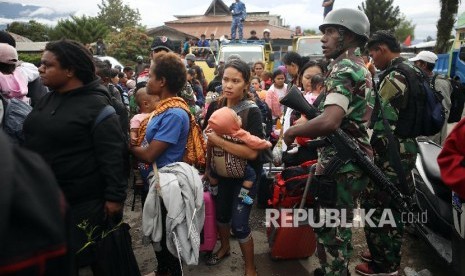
354	20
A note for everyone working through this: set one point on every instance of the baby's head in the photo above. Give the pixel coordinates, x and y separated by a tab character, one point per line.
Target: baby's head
146	103
235	117
8	58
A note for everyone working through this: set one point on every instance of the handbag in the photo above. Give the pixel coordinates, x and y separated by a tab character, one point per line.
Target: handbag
114	251
226	164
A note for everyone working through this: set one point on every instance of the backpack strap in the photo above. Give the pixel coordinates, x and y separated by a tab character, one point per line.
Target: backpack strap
106	112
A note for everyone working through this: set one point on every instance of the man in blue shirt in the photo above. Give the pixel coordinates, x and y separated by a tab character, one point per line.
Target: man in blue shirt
203	42
238	17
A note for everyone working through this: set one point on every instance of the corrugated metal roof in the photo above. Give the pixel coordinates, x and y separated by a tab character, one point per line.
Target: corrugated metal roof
30	46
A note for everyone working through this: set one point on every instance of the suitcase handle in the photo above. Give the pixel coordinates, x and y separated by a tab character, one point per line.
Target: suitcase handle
307	185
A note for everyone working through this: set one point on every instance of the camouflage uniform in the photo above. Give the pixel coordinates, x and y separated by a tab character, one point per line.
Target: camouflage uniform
385	243
348	81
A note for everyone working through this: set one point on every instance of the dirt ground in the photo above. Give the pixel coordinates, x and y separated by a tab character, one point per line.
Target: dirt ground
415	253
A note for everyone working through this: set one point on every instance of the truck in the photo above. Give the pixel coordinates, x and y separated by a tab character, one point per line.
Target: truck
250	51
205	59
308	46
452	64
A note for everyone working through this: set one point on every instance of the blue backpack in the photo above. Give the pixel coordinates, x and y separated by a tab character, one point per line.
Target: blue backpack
424	114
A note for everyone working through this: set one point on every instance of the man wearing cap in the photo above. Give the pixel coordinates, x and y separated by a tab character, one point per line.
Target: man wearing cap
426	60
343	106
238	17
161	43
190	59
266	35
384	243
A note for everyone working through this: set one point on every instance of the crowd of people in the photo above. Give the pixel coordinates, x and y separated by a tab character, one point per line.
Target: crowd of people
93	126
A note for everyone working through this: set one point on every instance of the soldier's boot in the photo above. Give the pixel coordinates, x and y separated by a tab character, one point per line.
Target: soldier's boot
367	269
366	256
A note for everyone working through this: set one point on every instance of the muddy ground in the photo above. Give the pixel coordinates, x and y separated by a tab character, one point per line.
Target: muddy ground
415	253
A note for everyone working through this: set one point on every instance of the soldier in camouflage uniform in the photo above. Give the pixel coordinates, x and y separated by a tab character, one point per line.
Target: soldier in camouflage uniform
384	243
344	105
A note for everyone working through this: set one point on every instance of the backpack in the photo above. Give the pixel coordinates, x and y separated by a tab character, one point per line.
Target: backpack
14	114
424	114
120	110
267	119
457	99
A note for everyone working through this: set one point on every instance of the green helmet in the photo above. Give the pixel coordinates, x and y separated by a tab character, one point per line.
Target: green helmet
354	20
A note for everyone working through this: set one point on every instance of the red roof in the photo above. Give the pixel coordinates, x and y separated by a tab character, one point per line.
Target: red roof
221	25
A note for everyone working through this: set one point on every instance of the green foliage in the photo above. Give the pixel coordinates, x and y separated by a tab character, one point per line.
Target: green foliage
92	234
33	30
128	44
115	14
445	24
310	32
382	15
31	58
405	28
83	29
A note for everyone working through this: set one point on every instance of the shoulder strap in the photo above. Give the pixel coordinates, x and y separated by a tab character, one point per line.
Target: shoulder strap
393	144
106	112
244	105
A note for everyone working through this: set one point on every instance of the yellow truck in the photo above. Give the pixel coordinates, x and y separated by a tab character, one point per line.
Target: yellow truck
205	59
250	51
308	46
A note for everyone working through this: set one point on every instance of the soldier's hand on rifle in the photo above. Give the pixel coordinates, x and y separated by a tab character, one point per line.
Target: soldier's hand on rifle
289	137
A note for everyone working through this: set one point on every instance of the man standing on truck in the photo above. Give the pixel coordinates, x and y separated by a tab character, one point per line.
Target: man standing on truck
238	17
328	6
426	61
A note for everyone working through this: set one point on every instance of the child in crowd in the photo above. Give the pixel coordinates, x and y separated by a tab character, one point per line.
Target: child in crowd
266	80
276	92
255	84
13	80
226	123
317	84
146	104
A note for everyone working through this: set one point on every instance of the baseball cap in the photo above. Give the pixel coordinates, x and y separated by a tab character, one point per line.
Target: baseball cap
162	43
426	56
190	57
8	54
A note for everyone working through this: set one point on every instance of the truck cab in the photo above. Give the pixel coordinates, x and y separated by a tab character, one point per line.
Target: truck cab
250	51
308	46
205	59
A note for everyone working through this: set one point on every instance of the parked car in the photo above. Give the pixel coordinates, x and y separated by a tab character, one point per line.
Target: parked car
114	62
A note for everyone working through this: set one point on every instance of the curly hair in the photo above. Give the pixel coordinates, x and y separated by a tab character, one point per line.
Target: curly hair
73	55
170	67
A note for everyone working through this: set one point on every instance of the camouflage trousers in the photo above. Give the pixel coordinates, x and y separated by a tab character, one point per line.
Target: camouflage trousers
236	24
334	247
385	242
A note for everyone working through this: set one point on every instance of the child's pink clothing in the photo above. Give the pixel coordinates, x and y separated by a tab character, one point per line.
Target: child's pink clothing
14	85
137	119
223	122
273	96
310	97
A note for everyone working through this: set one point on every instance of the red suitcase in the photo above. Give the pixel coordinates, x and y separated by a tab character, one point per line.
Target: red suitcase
209	232
292	242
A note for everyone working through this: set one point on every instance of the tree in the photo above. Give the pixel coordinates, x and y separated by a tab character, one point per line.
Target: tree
117	15
381	14
310	32
83	29
128	44
445	23
33	30
406	28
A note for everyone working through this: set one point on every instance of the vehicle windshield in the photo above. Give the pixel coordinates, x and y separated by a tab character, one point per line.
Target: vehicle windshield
309	46
248	55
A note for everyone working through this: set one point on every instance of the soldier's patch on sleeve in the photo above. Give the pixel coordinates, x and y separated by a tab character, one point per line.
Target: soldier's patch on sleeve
337	99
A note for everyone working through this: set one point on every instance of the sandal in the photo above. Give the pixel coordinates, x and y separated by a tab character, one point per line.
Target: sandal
214	259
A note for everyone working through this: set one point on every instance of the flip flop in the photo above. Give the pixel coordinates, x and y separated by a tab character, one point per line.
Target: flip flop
214	259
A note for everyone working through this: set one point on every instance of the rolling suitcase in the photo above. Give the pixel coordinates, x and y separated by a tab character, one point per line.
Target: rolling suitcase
293	242
209	232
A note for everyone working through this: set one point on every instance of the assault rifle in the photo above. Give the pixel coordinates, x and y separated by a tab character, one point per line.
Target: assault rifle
349	151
